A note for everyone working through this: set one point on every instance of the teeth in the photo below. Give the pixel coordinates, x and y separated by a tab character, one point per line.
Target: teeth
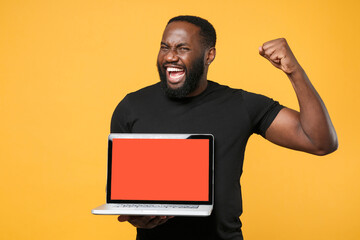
172	69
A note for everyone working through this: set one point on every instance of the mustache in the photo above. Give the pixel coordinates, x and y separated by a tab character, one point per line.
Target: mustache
169	64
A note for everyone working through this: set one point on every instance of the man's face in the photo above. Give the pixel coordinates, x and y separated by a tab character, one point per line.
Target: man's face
181	59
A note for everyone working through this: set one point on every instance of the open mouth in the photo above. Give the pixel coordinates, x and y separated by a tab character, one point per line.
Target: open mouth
175	74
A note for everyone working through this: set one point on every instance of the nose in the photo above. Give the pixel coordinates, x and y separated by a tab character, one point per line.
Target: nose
172	55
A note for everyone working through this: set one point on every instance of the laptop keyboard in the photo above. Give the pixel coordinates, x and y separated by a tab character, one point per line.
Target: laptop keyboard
154	206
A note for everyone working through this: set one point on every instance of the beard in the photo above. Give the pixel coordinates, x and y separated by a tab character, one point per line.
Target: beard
192	79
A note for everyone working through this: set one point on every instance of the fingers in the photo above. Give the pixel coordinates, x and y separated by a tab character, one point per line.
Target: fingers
271	53
280	55
123	218
157	221
144	221
274	43
261	50
273	49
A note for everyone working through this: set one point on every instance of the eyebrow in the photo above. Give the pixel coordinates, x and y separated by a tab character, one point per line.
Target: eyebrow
178	45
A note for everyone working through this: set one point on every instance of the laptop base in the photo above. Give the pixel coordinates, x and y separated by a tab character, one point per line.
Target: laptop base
117	209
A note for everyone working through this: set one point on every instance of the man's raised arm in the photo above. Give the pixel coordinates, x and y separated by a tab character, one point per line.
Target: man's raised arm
311	129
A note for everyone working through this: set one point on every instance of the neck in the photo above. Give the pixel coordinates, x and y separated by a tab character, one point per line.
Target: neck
202	86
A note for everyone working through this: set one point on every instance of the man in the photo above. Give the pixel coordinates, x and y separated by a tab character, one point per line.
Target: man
185	101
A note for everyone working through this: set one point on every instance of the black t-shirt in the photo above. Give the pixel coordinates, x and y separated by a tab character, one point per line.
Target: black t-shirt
231	115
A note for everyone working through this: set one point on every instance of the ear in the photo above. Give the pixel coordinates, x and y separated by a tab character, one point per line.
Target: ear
210	56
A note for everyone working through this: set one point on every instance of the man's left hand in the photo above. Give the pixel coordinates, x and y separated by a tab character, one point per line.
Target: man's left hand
280	55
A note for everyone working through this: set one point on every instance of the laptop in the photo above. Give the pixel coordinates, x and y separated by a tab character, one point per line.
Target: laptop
159	175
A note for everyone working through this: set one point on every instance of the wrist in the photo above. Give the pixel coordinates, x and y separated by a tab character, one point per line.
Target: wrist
298	71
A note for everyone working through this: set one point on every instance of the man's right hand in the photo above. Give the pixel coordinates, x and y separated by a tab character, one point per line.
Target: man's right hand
144	221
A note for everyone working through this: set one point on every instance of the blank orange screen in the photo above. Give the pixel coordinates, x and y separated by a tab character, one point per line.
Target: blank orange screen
160	169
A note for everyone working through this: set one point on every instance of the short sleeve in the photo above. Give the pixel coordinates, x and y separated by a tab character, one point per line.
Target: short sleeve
120	122
262	111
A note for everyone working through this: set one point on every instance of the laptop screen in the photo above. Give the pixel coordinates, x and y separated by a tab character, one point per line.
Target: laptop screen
160	169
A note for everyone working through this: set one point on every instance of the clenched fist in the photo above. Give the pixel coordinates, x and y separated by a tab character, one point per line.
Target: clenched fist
280	55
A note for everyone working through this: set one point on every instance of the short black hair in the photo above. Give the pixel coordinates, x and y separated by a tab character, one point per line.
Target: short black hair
207	31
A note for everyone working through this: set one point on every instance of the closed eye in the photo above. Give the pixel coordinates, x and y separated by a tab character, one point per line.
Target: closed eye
164	47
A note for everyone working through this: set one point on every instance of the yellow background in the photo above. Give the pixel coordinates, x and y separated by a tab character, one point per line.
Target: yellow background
64	66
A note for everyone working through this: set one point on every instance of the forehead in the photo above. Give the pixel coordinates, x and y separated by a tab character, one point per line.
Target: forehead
181	32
